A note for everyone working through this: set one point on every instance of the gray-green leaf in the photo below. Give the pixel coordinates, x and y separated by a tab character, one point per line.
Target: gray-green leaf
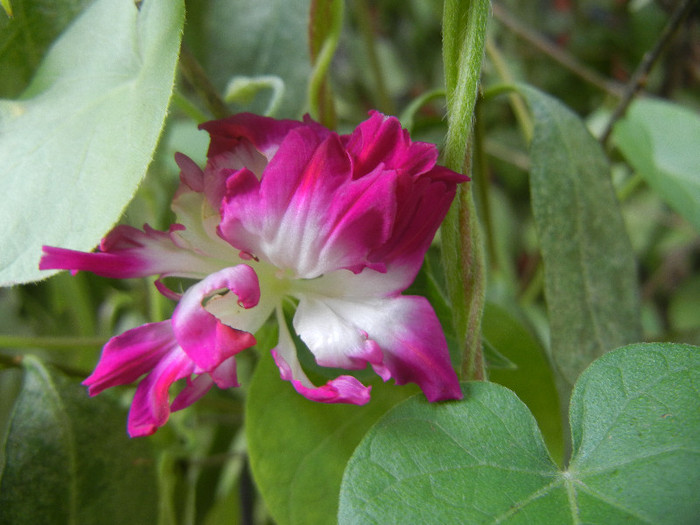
590	271
68	459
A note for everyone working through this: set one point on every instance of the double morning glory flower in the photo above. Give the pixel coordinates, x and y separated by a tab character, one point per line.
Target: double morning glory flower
284	210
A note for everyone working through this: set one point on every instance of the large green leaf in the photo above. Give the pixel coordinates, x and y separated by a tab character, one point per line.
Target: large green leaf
590	274
661	140
298	449
78	142
635	422
68	458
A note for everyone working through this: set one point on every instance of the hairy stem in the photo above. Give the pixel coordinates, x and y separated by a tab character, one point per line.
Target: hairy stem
464	33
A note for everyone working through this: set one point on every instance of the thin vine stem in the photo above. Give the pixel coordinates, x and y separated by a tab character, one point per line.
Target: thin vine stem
636	82
196	76
554	52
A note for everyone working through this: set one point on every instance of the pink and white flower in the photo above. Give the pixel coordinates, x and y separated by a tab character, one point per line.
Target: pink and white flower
284	209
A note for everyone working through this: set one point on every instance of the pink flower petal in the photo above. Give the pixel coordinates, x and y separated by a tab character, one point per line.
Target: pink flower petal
150	407
196	389
380	140
205	339
130	355
338	331
263	133
343	389
307	214
128	252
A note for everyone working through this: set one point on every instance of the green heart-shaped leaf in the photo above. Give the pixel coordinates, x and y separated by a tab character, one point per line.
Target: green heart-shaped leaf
636	458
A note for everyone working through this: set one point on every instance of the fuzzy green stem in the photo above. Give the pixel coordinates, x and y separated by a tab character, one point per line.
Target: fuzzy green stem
464	35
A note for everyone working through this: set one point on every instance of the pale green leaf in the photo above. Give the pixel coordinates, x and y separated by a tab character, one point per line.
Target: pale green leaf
661	140
635	422
78	142
68	459
590	271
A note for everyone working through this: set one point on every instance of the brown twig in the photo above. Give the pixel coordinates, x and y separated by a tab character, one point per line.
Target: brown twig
557	54
636	82
198	79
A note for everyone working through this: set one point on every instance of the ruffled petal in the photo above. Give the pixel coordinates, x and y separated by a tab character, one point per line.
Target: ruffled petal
380	140
307	214
342	389
334	341
130	355
423	190
128	252
203	337
150	407
198	215
263	133
339	332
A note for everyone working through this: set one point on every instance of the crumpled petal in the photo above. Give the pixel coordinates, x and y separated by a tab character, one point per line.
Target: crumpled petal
342	389
204	338
344	333
242	130
307	213
424	191
372	199
150	407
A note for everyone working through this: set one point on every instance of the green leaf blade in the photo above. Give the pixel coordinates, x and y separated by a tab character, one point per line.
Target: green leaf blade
72	455
78	142
623	461
661	140
590	271
482	459
298	449
469	461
